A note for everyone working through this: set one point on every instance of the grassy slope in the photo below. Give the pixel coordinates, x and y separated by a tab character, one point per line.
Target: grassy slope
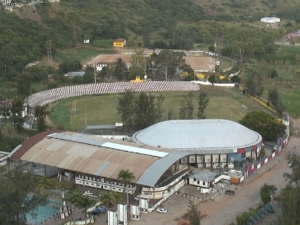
102	109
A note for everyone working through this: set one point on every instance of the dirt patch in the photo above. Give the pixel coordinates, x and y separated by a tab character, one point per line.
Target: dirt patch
28	12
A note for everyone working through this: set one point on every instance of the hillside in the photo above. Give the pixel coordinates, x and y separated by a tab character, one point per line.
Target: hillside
250	10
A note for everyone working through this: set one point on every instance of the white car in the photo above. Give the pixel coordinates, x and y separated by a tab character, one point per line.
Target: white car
161	210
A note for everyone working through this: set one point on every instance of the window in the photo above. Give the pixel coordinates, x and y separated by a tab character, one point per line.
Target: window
203	183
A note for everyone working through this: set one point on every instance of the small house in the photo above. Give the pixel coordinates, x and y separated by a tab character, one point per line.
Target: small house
120	42
202	178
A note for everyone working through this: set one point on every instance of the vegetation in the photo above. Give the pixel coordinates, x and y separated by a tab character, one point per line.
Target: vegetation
266	125
194	214
289	196
15	202
266	192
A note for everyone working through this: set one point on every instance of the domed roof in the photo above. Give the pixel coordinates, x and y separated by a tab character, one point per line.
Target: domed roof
209	134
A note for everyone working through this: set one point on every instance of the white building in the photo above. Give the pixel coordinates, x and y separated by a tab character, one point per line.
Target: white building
270	20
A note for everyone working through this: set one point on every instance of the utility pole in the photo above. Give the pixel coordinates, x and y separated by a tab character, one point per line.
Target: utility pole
49	50
166	73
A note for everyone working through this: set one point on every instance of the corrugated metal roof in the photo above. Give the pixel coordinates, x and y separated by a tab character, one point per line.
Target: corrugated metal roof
143	151
204	136
76	138
70	151
151	176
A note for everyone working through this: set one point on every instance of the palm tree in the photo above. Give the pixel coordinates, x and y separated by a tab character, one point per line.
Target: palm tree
106	198
84	201
126	177
79	200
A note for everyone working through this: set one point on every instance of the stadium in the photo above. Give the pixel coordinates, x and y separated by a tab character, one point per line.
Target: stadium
159	155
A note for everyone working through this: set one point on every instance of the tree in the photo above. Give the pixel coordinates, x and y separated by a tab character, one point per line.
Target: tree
264	124
126	177
24	84
212	79
15	201
253	83
145	111
126	107
106	198
203	103
17	112
235	79
120	69
41	112
194	214
79	200
158	107
273	97
68	66
138	64
289	197
265	193
187	107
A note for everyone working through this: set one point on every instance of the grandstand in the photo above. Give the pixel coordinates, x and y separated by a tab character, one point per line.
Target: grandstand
48	96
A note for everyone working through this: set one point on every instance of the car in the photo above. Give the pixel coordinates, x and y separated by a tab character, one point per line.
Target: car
98	209
161	210
229	192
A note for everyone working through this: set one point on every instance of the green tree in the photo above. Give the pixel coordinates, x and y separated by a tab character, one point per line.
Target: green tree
24	84
16	112
265	193
120	69
266	125
79	200
106	198
70	65
15	201
41	112
235	79
253	83
145	110
126	177
187	107
273	97
138	64
194	214
126	107
289	197
158	107
203	103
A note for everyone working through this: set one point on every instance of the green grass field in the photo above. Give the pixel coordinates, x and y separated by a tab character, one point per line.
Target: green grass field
81	54
102	109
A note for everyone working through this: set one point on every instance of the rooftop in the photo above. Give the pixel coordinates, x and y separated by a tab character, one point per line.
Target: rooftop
199	136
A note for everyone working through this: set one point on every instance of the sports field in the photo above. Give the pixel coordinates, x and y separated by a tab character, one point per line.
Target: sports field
75	113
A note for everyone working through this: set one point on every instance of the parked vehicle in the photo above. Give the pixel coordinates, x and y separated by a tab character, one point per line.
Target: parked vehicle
99	209
229	192
161	210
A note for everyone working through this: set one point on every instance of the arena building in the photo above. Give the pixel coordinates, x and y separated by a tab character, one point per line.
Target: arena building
159	156
211	142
